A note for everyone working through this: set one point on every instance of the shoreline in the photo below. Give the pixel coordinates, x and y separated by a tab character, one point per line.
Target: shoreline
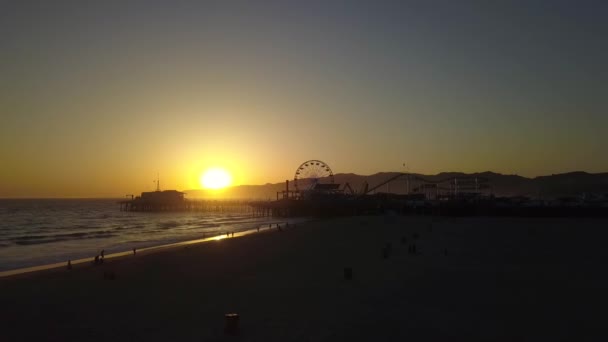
79	263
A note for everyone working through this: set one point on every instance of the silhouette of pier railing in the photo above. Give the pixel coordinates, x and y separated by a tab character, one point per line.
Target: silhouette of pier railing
197	205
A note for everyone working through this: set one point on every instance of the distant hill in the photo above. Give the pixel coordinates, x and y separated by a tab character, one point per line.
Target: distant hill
553	186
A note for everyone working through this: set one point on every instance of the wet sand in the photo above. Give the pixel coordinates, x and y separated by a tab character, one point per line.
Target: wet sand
501	280
145	250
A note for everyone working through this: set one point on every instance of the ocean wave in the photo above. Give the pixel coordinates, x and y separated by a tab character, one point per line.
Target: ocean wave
152	231
253	222
168	225
78	235
87	226
199	226
232	219
58	239
208	225
94	216
128	227
187	228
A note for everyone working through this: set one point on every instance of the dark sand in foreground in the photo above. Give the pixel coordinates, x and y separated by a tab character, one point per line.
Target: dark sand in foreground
501	280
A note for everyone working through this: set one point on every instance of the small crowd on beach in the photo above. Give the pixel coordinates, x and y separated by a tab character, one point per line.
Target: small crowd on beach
99	258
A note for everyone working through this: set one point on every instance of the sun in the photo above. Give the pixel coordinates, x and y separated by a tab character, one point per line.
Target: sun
215	178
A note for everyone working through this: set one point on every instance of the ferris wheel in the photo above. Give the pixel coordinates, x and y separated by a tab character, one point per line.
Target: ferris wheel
311	173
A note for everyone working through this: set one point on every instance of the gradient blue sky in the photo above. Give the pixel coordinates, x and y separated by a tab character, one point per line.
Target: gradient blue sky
96	97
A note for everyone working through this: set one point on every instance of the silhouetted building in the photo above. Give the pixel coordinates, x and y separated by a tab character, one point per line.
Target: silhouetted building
167	196
168	200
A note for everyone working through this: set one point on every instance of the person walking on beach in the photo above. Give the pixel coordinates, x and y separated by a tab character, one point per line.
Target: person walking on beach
103	252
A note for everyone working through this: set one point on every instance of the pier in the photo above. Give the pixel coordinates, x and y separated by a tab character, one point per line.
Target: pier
217	206
313	193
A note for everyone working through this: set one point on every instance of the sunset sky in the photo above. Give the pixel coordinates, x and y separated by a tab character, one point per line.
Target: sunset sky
97	97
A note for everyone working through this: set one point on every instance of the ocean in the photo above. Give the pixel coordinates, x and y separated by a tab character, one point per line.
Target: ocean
44	231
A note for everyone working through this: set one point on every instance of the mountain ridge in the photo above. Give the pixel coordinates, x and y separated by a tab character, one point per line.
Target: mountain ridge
550	186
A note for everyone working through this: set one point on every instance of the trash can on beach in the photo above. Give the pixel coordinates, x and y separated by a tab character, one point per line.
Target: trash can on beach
232	323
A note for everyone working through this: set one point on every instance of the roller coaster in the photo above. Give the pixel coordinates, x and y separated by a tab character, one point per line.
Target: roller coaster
431	188
316	177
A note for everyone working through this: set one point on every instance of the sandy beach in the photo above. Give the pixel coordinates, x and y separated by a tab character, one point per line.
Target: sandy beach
473	279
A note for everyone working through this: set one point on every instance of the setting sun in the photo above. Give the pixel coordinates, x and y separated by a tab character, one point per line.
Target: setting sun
215	179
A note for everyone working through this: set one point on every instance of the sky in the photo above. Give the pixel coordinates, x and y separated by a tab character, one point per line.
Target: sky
96	98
